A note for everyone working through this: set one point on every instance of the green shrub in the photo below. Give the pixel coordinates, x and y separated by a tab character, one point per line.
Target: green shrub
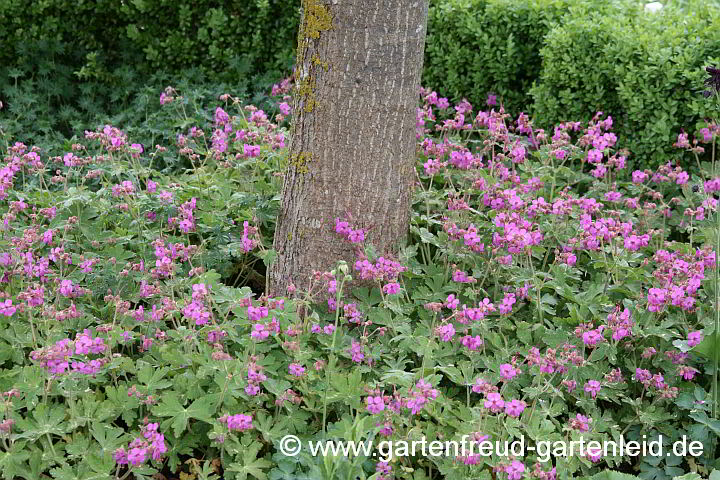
479	46
223	39
643	70
59	74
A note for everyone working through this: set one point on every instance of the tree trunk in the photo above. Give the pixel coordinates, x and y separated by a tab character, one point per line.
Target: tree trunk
352	149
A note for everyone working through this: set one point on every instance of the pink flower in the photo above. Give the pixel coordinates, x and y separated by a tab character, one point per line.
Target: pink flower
507	303
356	236
695	338
343	228
494	402
136	456
240	422
391	288
472	343
451	302
594	455
445	332
507	371
570	385
518	154
296	369
599	172
357	353
592	387
642	375
682	141
688	373
639	176
712	185
592	337
221	116
251	150
7	308
259	332
682	178
580	423
515	470
514	408
707	135
462	277
656	299
285	108
67	288
375	404
595	156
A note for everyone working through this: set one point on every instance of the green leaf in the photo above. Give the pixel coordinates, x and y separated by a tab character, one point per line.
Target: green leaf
708	346
200	409
425	236
689	476
107	436
152	377
611	475
12	463
711	423
268	257
276	387
251	465
45	420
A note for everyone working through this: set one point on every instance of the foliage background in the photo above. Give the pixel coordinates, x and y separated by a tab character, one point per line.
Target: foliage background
558	59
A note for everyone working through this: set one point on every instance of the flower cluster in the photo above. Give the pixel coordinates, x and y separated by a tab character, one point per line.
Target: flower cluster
239	422
151	445
57	359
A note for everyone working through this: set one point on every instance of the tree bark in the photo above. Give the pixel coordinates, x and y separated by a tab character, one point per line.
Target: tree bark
352	150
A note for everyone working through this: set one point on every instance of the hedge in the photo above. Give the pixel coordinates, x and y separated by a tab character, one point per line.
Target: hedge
221	38
65	61
646	71
475	47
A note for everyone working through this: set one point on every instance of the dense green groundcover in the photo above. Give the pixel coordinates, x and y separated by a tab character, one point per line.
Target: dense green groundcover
547	294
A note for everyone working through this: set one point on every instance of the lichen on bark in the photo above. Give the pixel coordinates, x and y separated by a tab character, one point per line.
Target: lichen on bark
305	89
300	161
315	60
316	18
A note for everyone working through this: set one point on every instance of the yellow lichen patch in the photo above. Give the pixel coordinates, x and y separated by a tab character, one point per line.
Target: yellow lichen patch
305	89
317	18
300	161
315	60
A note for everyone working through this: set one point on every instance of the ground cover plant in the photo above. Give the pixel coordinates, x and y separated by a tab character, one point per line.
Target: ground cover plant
548	292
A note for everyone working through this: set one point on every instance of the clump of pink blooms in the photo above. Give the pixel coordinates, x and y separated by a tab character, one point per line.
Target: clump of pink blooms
64	356
151	445
239	422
